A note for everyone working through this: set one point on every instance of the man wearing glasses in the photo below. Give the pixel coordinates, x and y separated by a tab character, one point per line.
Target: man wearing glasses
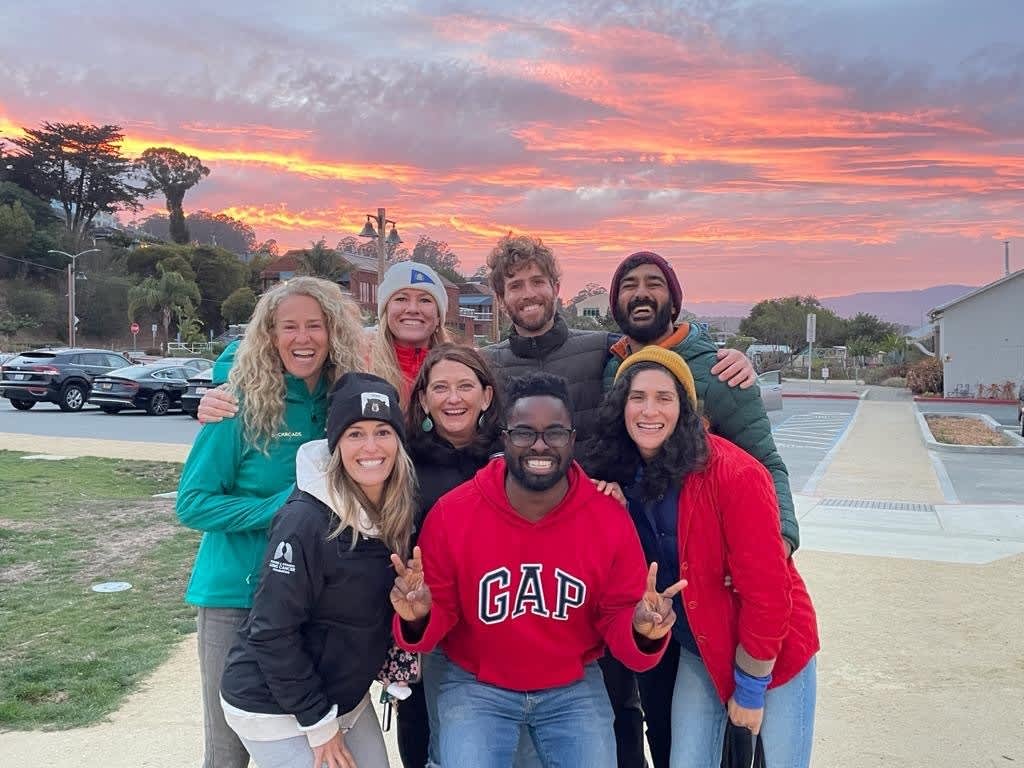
526	573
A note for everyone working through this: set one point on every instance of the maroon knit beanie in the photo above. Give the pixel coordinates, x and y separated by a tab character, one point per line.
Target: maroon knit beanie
634	261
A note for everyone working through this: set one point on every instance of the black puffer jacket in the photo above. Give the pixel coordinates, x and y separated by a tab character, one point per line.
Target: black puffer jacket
319	628
578	356
440	467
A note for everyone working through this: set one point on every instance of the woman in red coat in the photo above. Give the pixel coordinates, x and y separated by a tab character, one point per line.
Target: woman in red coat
706	511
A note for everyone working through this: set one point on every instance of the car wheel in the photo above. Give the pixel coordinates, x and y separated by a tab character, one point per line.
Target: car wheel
23	405
159	404
109	409
72	397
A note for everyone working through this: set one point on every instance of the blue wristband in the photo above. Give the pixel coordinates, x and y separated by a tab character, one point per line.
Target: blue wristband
750	690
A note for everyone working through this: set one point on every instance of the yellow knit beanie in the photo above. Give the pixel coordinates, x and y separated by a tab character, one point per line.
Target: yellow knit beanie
667	359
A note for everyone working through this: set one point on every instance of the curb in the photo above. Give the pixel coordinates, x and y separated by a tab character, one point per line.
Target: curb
974	400
935	445
819	396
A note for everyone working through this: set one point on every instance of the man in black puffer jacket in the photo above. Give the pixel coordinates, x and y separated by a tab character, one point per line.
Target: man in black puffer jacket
525	278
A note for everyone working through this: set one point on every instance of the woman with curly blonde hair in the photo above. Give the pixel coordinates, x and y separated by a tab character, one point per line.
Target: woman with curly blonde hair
303	336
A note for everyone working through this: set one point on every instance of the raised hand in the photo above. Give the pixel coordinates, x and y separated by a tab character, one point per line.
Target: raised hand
653	617
410	596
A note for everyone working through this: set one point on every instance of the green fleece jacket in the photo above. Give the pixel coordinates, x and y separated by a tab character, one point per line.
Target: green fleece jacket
230	491
736	414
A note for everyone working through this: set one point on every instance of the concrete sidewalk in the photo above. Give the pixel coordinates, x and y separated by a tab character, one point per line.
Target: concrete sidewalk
918	603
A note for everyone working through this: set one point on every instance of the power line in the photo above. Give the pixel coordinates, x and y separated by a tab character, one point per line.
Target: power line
30	263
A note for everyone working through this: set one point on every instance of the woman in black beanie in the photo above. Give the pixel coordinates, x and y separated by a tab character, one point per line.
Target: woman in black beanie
296	685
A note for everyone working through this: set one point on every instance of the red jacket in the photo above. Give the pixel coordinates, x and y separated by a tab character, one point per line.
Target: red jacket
729	524
410	360
524	605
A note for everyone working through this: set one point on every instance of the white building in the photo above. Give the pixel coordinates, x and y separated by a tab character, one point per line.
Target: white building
981	337
595	306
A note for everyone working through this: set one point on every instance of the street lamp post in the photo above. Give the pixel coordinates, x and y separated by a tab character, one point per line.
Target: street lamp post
71	290
381	220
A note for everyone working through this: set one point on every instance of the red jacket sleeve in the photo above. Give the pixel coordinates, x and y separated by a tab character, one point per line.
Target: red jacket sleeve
627	580
757	560
439	572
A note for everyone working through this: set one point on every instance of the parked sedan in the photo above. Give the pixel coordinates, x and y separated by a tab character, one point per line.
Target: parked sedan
61	375
154	388
770	383
198	386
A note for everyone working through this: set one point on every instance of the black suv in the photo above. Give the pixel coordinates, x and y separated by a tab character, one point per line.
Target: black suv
61	376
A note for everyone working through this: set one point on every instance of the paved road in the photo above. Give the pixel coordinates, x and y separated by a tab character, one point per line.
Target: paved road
805	431
48	420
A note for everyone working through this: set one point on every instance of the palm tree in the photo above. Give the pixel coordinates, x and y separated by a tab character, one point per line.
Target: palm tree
321	261
170	294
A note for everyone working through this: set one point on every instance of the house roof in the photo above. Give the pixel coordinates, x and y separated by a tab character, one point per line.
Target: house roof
286	262
934	313
475	301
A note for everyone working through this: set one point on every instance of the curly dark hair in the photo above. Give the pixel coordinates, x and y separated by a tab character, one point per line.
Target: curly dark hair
487	435
537	384
610	454
512	253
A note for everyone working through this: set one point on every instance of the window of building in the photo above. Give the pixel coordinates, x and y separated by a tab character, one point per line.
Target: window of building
591	312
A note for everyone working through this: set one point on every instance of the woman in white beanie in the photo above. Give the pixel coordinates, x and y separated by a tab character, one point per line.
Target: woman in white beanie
411	306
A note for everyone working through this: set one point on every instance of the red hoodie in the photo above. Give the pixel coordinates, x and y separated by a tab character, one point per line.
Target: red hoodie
522	605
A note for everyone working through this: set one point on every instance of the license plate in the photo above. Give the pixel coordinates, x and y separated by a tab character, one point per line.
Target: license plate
19	376
201	390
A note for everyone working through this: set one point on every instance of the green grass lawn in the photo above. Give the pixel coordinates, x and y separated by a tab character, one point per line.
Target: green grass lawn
68	655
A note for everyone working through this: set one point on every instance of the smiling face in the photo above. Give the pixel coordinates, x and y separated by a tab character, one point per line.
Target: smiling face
300	337
645	308
538	467
412	317
652	410
368	449
530	300
454	399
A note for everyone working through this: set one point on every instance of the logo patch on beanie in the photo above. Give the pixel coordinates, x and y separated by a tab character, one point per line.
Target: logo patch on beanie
375	405
419	277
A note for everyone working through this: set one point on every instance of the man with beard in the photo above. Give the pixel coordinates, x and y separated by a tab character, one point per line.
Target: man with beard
645	296
527	572
525	277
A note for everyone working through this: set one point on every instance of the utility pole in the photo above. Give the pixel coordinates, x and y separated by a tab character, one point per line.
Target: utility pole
71	290
1006	257
381	220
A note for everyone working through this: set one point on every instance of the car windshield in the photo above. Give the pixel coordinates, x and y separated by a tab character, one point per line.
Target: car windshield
136	372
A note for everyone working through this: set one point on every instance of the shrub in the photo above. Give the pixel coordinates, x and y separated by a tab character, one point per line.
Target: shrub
895	381
925	376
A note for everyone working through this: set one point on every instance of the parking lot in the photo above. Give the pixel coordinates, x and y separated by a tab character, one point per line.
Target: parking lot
805	431
49	420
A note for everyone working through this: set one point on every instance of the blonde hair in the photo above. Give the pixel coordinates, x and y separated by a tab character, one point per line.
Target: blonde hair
393	517
257	376
384	362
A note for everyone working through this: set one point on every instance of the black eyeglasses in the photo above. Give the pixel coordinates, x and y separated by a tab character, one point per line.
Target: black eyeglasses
524	437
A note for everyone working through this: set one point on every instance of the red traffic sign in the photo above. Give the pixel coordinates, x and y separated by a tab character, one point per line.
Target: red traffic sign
134	328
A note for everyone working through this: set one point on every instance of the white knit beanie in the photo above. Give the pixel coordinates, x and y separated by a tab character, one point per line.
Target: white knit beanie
411	274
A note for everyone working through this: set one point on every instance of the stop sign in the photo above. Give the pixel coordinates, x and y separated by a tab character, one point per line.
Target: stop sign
134	328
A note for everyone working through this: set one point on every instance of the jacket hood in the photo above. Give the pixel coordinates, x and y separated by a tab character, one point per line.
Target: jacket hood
490	481
311	463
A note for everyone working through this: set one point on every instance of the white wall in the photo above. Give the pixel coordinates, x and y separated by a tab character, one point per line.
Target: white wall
982	339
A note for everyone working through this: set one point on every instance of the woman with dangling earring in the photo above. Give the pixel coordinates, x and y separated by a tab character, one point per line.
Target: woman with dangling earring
454	429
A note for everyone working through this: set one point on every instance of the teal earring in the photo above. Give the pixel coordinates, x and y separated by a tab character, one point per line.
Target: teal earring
428	424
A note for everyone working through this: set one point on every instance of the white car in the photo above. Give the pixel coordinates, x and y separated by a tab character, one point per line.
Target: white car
770	383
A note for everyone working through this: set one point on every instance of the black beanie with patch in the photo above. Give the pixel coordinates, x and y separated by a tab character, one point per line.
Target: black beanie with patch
360	396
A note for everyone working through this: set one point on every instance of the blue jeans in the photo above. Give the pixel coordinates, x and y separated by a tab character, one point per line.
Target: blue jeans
699	717
571	725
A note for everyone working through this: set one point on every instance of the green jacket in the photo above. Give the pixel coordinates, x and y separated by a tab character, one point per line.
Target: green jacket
230	490
736	414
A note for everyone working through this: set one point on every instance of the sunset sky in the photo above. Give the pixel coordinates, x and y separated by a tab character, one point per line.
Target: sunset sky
765	147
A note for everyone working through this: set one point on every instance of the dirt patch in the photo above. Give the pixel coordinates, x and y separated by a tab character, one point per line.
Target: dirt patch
19	572
964	430
122	532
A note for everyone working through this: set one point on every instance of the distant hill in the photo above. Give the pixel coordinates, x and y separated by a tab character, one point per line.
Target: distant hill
901	307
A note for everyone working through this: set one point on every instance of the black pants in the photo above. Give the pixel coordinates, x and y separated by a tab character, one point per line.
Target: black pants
413	728
620	682
656	687
629	716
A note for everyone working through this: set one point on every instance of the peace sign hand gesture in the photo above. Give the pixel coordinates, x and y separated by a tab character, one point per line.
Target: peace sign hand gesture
654	617
410	596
